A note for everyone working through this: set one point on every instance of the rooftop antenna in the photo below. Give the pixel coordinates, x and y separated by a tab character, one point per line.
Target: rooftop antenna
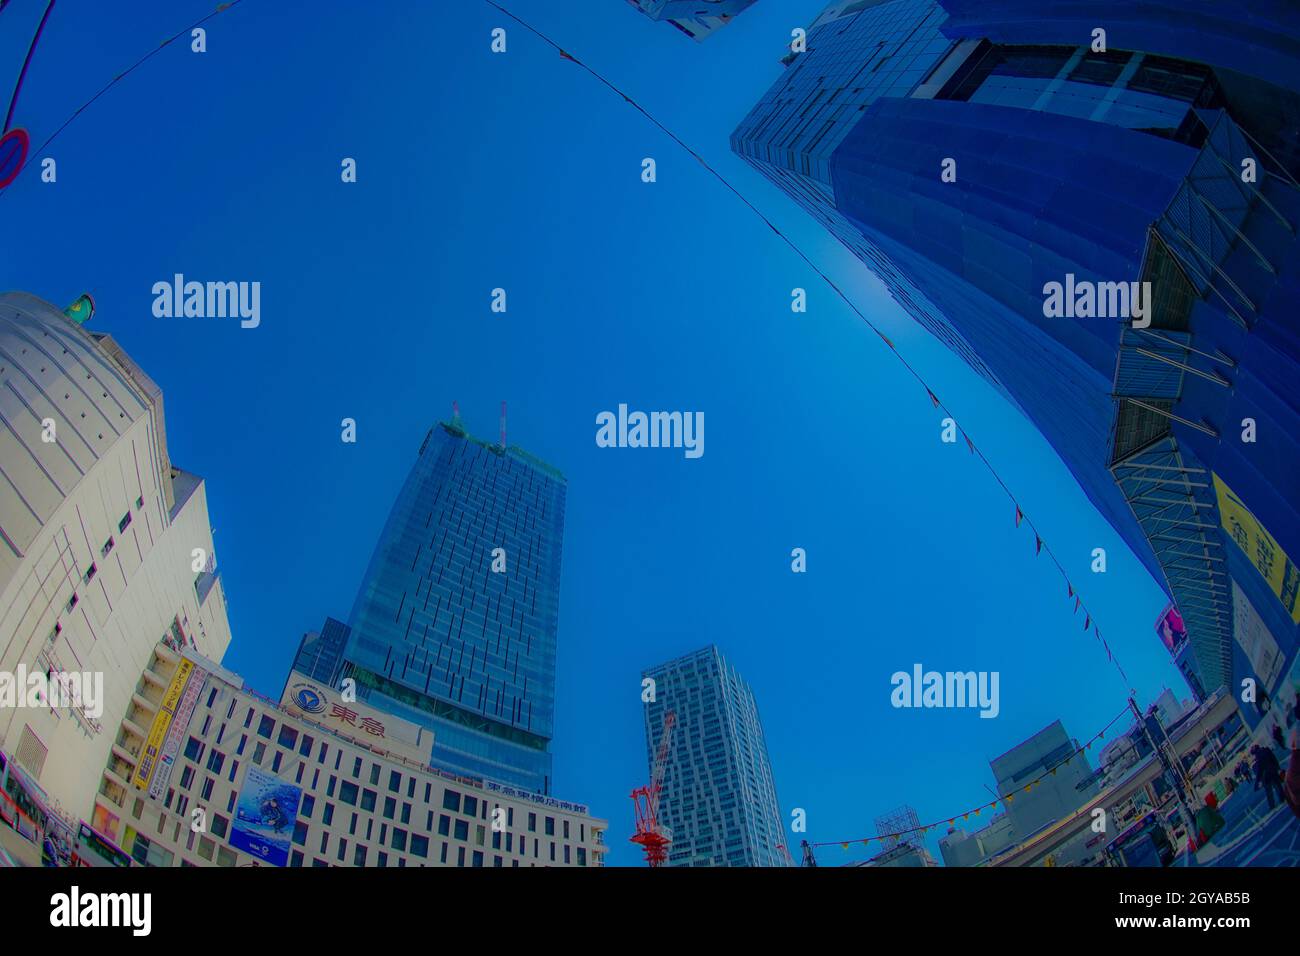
503	426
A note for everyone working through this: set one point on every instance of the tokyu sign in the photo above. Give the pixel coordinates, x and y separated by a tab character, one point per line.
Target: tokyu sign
320	704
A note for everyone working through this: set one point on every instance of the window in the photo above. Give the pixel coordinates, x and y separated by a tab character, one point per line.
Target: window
478	857
108	546
275	764
124	523
356	768
72	601
267	725
395	781
243	742
406	813
288	737
328	818
451	801
305	749
215	759
390	808
550	826
259	752
193	749
566	829
471	807
348	793
90	573
300	833
444	825
308	805
368	798
399	839
374	774
532	823
462	830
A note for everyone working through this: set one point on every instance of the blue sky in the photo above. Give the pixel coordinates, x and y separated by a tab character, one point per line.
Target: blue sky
477	171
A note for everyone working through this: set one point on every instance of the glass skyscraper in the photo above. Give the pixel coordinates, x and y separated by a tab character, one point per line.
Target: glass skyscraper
718	797
454	626
980	150
321	652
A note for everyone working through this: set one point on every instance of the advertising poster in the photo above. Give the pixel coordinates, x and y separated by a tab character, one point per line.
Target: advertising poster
265	816
1171	629
1253	539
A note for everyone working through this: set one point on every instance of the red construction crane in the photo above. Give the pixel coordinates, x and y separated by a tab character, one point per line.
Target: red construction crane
652	835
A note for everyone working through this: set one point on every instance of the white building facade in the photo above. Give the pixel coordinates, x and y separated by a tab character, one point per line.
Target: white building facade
274	788
105	547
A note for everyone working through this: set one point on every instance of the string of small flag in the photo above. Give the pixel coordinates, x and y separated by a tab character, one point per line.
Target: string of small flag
1040	544
1005	800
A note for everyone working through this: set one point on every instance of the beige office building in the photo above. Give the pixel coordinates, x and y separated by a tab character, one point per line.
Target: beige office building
208	773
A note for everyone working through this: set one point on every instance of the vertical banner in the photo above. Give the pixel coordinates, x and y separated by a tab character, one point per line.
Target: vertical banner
180	724
161	723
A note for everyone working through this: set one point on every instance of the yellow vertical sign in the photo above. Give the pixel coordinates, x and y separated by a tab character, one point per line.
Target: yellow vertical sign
1253	539
161	722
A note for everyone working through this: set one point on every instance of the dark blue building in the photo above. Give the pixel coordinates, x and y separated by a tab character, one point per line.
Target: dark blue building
989	150
320	653
454	626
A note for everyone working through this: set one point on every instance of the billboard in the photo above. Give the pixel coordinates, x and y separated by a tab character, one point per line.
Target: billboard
323	705
162	722
1170	629
265	816
1260	546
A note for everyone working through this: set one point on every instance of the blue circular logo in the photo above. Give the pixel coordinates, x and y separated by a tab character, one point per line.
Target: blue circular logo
309	700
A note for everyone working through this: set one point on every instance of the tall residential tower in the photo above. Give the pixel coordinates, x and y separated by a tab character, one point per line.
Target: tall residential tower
718	797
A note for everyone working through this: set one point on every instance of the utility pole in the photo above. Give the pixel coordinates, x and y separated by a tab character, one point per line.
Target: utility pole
808	858
1176	778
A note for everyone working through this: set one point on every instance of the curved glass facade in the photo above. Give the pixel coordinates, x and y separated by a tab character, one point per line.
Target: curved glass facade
441	638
